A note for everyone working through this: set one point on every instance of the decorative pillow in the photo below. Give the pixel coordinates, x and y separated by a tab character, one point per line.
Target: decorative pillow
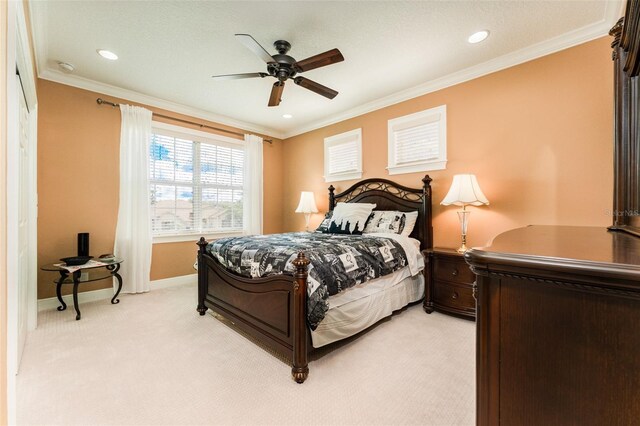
350	218
410	223
389	221
324	226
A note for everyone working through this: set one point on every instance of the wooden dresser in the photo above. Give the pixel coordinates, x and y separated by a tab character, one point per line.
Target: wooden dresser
558	310
558	327
449	283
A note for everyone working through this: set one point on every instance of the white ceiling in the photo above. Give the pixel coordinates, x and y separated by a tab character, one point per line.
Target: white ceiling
393	50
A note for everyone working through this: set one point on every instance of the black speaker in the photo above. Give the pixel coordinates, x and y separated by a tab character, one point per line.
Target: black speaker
83	244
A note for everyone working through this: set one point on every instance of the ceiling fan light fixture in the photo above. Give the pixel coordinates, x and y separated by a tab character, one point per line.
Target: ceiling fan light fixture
287	116
478	36
107	54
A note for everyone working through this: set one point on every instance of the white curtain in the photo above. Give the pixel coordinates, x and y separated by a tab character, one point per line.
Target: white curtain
133	232
252	209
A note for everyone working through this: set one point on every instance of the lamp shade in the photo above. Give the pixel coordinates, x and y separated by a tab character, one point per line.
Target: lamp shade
464	191
307	203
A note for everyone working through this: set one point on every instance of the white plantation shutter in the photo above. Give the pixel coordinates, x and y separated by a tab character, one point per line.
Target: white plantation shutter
171	184
221	182
417	142
343	156
196	185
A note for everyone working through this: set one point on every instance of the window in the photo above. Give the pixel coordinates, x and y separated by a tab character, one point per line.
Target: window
418	142
343	156
196	182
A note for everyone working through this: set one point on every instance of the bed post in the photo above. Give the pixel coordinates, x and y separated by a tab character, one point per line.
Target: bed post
332	198
426	206
300	367
202	276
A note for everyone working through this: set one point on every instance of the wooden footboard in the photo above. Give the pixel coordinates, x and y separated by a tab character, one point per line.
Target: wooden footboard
272	309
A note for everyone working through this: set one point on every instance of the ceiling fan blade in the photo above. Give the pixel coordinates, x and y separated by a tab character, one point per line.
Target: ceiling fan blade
239	76
321	60
315	87
251	44
276	92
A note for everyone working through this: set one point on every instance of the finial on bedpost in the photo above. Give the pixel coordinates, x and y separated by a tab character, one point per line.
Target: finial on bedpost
332	198
300	367
426	207
301	263
202	275
202	245
426	180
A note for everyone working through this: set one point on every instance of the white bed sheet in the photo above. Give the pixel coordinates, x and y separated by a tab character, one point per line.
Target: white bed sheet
353	316
361	306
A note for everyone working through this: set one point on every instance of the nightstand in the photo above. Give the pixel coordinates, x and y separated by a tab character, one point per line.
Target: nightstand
449	283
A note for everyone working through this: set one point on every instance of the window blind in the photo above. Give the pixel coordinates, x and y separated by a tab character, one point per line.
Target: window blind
343	157
417	143
196	187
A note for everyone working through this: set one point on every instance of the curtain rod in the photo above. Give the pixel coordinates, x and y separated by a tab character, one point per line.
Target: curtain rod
101	101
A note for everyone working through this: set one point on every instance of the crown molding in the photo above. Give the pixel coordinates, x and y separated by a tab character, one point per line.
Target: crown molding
131	95
613	11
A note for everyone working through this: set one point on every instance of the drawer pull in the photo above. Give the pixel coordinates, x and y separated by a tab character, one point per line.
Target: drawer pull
455	295
454	273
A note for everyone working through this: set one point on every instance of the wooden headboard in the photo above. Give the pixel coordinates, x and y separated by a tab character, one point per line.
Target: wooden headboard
388	195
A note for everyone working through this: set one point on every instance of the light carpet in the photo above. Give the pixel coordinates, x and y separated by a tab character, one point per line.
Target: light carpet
153	360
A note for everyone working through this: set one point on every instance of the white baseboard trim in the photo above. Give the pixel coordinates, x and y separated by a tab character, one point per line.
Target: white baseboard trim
170	282
107	293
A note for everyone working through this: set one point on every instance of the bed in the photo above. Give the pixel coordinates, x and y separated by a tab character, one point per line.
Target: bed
273	309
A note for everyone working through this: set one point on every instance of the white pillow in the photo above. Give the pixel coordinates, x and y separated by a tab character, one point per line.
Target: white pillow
410	223
350	218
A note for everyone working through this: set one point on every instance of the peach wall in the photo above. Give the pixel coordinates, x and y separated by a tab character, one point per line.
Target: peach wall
538	136
78	151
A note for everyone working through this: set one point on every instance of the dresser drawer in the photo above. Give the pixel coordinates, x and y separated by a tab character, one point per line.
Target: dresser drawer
454	296
456	271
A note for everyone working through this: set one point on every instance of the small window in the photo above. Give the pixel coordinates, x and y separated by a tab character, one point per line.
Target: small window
418	142
196	182
343	156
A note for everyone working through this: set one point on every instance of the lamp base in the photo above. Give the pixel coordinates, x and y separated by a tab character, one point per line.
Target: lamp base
307	216
464	222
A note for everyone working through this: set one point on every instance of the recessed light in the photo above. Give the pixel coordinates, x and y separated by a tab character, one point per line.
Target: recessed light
287	116
478	37
107	54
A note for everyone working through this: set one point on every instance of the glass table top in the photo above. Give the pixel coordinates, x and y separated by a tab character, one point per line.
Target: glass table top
91	264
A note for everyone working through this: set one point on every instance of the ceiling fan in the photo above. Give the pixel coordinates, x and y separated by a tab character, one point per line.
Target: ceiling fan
284	67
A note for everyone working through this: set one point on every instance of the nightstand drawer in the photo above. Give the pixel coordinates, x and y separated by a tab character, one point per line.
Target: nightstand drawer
454	271
454	296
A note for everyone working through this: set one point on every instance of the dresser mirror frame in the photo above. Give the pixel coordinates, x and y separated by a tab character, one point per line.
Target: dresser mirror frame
626	59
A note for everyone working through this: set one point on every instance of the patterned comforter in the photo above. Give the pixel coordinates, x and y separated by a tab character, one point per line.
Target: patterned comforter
337	261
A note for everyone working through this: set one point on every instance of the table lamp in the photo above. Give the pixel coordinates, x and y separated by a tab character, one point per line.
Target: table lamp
307	206
464	191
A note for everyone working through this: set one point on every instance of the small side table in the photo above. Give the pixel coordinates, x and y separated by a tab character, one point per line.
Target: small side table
94	273
449	283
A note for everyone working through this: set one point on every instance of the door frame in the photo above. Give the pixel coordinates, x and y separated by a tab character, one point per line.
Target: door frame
19	60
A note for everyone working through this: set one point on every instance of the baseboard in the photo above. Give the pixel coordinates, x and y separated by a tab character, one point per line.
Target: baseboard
107	293
170	282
